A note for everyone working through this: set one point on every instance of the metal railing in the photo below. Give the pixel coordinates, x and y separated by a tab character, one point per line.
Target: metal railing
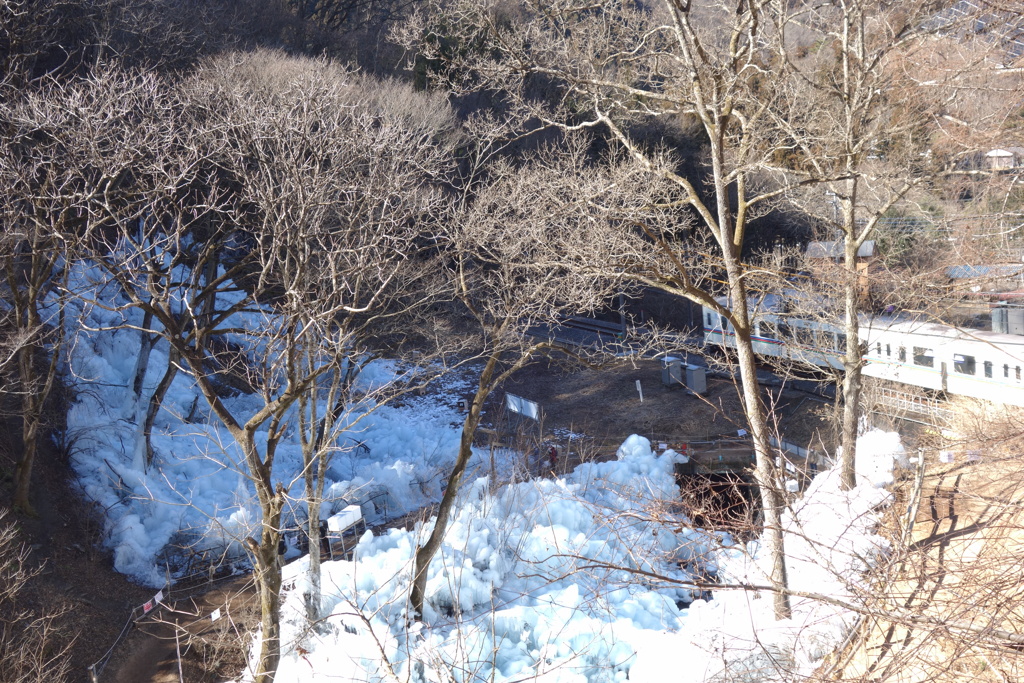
902	404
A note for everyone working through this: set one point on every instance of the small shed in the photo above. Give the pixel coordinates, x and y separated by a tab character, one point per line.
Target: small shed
1004	158
823	256
987	278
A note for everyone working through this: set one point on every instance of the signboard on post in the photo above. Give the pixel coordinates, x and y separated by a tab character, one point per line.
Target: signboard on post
522	406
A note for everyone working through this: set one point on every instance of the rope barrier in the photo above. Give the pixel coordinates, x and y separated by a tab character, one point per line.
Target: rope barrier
97	668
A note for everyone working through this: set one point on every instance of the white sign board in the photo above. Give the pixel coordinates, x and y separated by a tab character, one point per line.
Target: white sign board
522	406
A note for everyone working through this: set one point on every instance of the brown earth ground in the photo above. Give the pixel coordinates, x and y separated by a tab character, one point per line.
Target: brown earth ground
949	605
66	538
603	407
76	574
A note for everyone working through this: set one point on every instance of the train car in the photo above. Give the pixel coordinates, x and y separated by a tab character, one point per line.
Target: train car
783	336
985	365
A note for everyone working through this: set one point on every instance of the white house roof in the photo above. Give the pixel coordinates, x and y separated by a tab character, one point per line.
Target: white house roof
1006	152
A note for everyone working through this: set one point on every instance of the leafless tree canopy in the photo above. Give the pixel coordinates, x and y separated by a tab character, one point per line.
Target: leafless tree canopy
30	649
295	192
593	149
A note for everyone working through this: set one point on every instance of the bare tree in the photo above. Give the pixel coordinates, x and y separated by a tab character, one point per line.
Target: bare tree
40	216
879	101
32	274
29	647
88	179
615	67
262	219
26	35
331	176
505	253
348	14
317	187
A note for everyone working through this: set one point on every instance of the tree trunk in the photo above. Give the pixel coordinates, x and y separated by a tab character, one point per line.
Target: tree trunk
313	596
268	569
30	420
141	457
265	553
34	396
427	551
33	409
852	363
316	455
268	582
208	302
157	400
146	343
772	503
730	236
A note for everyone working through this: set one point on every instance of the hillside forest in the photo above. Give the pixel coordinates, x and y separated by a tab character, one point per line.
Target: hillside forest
240	236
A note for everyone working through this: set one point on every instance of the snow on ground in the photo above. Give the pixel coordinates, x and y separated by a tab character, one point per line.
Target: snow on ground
583	578
196	489
555	581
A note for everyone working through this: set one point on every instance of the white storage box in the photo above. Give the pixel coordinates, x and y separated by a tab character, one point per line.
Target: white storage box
345	520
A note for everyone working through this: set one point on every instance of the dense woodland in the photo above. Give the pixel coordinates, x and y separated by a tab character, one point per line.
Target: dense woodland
430	179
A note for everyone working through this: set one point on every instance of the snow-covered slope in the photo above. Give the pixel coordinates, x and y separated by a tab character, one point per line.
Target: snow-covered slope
583	578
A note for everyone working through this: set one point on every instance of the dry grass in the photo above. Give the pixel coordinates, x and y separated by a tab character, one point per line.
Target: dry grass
949	606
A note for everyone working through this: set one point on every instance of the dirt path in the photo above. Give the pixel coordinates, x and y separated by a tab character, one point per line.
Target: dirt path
605	405
76	573
181	641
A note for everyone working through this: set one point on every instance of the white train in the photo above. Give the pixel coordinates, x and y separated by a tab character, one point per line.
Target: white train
985	365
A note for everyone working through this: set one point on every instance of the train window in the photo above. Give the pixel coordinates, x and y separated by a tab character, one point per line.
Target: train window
805	336
710	324
725	324
785	332
768	330
965	365
1018	373
888	351
903	354
840	341
988	368
924	357
1006	370
878	348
